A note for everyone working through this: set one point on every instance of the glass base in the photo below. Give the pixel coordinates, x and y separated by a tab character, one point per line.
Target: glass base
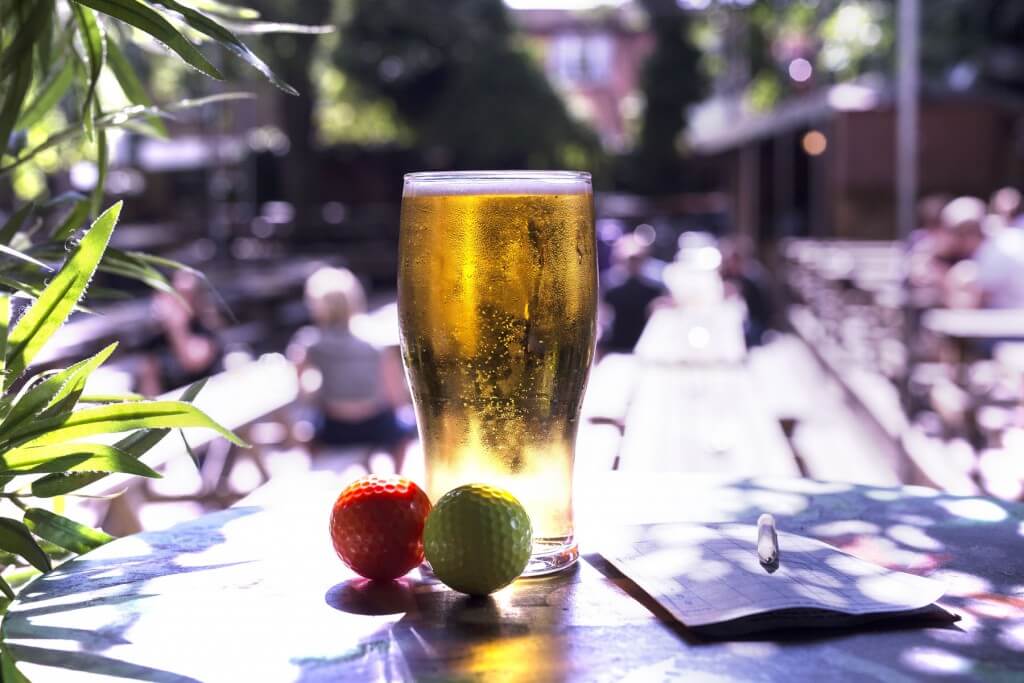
551	556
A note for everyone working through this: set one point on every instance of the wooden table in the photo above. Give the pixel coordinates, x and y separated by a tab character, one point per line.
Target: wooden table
691	403
254	593
694	335
975	324
702	419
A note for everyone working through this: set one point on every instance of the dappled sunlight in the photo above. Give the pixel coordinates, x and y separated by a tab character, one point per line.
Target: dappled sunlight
852	567
979	509
961	584
914	520
883	495
889	553
994	606
1013	637
778	503
810	486
846	527
881	589
920	491
936	662
914	537
753	649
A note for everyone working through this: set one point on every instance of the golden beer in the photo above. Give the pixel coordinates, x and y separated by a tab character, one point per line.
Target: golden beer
497	297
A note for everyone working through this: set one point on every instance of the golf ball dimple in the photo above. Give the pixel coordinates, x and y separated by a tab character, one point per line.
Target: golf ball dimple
377	526
478	538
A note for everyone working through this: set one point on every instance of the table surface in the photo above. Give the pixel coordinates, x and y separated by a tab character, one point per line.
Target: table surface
255	593
677	335
976	323
689	399
702	419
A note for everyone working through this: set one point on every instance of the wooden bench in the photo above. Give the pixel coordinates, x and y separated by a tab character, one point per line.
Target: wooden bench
240	399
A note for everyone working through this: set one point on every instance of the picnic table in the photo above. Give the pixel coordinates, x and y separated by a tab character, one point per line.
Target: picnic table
702	419
255	593
975	324
677	334
686	400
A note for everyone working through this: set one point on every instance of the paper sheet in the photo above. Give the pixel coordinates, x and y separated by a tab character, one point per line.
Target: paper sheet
707	574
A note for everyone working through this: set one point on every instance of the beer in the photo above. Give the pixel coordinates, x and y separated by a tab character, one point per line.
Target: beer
497	295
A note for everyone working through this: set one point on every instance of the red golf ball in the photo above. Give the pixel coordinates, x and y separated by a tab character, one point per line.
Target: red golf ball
377	526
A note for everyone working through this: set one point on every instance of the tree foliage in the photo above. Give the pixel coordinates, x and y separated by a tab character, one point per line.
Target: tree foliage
671	81
469	95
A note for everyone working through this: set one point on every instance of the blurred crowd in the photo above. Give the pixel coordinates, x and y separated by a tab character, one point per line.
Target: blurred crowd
704	271
968	254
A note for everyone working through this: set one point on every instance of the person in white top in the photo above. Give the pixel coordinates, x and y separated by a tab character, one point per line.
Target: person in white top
355	387
990	268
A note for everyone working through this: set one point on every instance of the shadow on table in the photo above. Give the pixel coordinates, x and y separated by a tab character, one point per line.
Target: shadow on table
94	581
514	634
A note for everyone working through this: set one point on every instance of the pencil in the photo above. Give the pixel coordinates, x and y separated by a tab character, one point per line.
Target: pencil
767	540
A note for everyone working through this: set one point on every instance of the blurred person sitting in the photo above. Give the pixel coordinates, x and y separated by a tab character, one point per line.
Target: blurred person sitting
745	277
188	347
355	387
1006	206
989	272
930	253
629	294
929	219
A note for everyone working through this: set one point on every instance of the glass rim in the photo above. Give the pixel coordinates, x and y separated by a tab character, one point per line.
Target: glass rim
485	176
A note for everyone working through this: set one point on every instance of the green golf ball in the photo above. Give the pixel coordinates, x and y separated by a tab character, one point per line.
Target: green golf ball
478	538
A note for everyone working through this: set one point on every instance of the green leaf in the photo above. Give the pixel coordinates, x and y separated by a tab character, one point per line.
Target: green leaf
72	457
260	27
207	26
53	306
16	538
110	398
102	162
63	198
54	391
128	265
17	285
5	321
18	53
22	256
94	41
9	592
14	223
48	96
188	449
44	45
152	22
9	671
130	84
136	445
76	217
177	265
13	99
67	533
224	10
118	417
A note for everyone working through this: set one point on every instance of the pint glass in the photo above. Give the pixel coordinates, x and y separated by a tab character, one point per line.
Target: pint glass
497	296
